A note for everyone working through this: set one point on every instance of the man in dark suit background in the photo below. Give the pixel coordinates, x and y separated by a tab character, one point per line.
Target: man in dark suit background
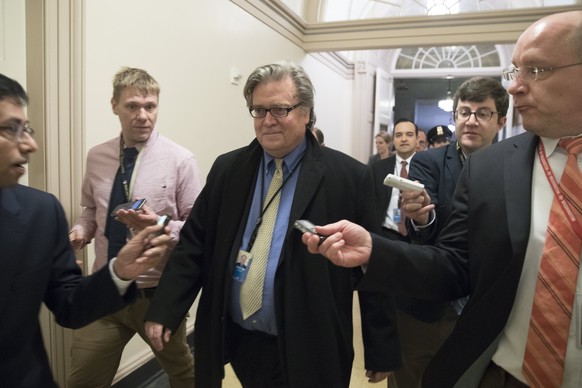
405	139
479	108
38	264
491	247
392	220
301	336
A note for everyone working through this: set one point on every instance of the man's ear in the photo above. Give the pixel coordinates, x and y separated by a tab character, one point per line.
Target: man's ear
502	123
114	105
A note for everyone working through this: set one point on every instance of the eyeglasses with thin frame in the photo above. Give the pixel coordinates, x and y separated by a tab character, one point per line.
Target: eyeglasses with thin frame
482	114
16	132
532	73
276	111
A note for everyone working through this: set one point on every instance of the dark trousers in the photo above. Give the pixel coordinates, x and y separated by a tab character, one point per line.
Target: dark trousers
254	357
420	341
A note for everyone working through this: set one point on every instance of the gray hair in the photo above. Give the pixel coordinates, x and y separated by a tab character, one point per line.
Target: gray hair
305	92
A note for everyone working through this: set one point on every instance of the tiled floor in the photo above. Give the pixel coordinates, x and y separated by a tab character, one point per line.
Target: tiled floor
359	379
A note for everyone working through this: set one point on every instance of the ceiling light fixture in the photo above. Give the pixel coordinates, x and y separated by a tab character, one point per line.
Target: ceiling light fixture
447	103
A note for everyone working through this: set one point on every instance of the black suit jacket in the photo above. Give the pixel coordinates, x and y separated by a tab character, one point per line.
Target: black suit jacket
313	298
38	265
479	252
439	170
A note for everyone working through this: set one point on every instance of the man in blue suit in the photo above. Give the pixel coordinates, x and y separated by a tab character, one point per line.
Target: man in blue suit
38	264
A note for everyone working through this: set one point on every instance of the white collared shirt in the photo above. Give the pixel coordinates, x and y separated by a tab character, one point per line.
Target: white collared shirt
393	204
511	349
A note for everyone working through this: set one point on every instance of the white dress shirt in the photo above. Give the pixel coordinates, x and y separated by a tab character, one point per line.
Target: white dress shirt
510	352
393	204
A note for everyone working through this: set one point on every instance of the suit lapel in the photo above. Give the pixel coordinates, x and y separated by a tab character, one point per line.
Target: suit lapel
9	202
239	185
308	182
455	166
517	172
13	233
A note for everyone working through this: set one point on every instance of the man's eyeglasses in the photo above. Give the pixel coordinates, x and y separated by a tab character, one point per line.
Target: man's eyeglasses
16	132
532	73
482	114
276	111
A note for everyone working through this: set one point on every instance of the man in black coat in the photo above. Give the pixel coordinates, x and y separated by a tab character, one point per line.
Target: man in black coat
38	263
301	336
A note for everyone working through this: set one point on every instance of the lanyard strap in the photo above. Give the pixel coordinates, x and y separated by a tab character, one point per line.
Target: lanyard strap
558	191
266	206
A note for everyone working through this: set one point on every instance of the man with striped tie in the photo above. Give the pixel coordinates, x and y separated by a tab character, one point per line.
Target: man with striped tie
514	237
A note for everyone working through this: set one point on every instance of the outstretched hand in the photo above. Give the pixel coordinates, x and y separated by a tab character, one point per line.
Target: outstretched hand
142	252
137	220
347	244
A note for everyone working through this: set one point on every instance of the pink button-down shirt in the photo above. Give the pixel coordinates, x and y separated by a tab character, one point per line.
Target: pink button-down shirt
166	174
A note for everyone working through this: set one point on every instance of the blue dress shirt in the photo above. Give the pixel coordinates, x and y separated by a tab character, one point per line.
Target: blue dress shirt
264	319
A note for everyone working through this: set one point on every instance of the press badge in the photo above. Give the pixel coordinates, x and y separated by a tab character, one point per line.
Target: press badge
243	261
396	215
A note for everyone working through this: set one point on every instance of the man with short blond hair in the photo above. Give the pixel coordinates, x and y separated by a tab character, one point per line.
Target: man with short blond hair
140	163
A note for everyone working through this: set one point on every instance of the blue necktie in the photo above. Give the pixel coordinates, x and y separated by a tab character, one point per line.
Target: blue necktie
115	231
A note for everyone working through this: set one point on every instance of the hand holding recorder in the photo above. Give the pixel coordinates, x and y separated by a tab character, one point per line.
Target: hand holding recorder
402	184
415	199
306	226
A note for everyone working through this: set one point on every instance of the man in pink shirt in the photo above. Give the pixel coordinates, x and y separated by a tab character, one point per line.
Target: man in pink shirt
140	163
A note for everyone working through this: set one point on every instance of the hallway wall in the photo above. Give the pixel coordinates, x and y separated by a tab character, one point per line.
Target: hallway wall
190	48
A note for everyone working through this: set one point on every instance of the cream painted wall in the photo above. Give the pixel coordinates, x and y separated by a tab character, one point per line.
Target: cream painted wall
333	104
190	46
13	45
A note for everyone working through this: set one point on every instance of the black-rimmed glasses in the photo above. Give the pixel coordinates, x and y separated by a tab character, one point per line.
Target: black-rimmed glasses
482	114
16	132
532	73
276	111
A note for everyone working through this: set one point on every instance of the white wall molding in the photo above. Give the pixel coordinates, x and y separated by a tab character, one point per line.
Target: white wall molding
336	62
385	33
54	36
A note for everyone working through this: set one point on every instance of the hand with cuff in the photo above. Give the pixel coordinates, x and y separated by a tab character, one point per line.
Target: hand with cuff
142	252
418	207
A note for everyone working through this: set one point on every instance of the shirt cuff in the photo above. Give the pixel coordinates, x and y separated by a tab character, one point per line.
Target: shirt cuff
122	285
431	218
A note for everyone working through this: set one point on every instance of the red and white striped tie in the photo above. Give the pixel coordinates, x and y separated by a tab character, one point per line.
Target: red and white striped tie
545	351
